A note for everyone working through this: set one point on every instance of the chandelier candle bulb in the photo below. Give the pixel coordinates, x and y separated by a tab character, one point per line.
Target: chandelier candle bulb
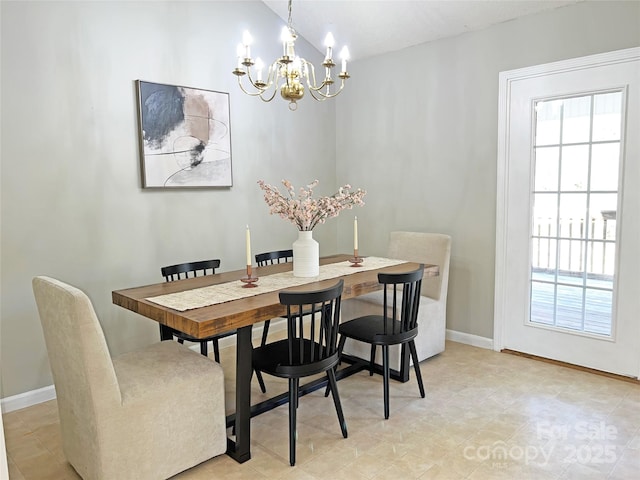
240	52
284	35
259	67
344	55
246	41
329	43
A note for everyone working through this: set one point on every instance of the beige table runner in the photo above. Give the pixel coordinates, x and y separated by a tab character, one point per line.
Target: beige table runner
226	292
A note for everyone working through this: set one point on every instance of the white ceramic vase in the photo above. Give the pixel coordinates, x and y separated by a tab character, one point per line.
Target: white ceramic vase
306	255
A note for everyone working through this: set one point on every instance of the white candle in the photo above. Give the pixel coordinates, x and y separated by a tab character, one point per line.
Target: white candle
285	36
247	40
240	53
355	233
329	42
344	55
259	67
248	242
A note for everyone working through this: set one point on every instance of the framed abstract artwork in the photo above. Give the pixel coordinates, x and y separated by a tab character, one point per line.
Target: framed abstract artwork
185	136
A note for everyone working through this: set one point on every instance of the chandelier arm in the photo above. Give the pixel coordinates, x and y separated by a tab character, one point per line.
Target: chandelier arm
264	99
311	77
311	74
323	96
313	87
272	75
259	93
318	98
319	88
253	83
253	94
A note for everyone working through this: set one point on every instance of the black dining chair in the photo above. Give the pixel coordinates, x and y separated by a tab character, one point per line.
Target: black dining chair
398	324
311	348
271	258
263	259
190	270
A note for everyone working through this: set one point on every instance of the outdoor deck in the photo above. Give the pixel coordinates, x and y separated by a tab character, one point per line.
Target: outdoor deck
569	313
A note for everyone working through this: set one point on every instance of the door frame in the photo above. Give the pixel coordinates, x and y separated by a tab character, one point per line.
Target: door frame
506	80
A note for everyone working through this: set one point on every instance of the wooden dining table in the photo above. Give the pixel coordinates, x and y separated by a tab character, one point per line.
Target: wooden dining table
240	315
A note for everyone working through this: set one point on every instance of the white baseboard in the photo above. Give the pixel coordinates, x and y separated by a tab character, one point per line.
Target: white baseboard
44	394
469	339
27	399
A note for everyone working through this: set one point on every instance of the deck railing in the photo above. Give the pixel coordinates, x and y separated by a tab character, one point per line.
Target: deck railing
574	246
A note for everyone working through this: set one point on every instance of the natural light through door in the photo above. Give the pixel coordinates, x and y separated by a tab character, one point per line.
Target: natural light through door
575	200
568	212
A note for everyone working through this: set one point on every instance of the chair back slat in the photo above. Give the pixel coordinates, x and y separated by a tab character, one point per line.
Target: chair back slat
401	300
189	270
312	328
271	258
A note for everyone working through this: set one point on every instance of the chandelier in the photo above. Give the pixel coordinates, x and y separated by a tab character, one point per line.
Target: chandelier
290	72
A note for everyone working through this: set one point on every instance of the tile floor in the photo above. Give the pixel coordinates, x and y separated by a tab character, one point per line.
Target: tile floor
486	415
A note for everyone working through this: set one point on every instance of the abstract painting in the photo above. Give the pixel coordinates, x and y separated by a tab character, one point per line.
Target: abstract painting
185	136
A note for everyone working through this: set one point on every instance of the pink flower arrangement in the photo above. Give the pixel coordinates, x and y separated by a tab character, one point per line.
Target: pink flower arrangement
304	211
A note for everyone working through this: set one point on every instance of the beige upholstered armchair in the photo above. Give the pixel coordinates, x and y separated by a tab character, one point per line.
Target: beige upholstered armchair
428	248
147	414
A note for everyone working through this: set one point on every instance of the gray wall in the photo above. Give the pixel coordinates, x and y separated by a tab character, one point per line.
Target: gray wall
418	130
72	205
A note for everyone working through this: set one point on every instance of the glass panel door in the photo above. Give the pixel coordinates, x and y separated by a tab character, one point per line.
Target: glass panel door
568	212
575	202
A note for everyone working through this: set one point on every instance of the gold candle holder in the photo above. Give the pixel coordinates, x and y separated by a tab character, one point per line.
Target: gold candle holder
249	281
356	261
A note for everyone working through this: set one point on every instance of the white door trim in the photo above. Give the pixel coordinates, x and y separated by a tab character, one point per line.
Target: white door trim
506	80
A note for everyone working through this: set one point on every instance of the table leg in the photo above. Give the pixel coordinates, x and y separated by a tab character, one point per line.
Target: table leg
240	450
165	333
404	363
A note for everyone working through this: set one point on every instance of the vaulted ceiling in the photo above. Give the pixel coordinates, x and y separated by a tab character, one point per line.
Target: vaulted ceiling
373	27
